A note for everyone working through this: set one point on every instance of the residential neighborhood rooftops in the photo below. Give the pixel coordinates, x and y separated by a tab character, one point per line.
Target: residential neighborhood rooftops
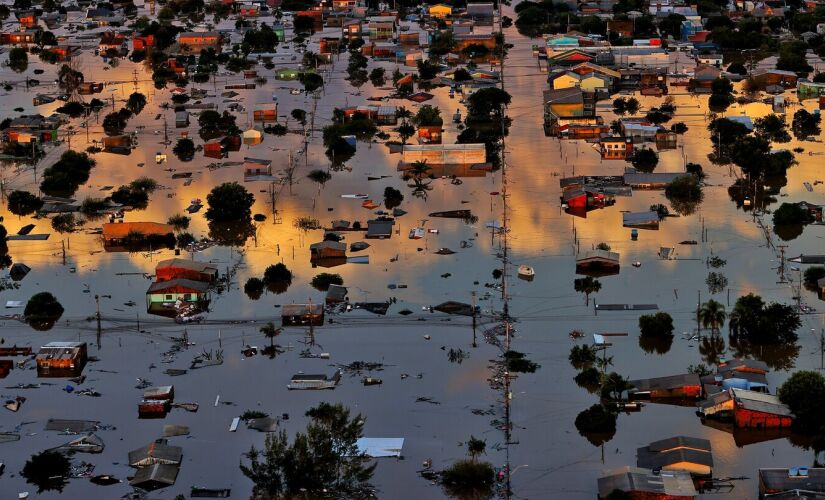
676	484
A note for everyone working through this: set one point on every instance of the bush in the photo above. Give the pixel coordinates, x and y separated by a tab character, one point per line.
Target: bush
183	240
18	59
64	223
656	325
518	363
589	378
644	160
322	281
319	176
468	479
278	273
392	197
253	288
684	188
581	356
64	177
179	222
184	149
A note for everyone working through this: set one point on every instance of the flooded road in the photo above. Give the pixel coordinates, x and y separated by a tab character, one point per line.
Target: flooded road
558	462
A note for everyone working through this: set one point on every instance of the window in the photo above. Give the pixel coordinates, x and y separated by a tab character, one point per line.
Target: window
169	297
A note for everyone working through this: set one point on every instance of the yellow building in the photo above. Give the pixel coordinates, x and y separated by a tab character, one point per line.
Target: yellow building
589	83
440	11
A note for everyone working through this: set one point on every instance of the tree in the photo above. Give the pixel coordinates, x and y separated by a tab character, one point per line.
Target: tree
757	323
685	194
42	38
311	81
659	324
582	356
712	315
23	203
812	276
772	128
184	149
392	197
63	223
597	424
42	311
322	461
789	214
428	115
270	331
803	393
5	259
487	104
587	285
253	288
644	160
427	70
300	115
322	281
277	277
378	77
613	386
475	447
303	24
229	202
319	176
179	222
405	131
48	470
18	60
806	124
136	102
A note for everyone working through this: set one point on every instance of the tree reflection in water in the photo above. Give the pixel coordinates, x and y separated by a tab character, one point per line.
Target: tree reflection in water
711	348
652	344
779	357
233	233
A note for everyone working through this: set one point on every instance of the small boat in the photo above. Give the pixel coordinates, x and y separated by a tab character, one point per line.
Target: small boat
457	117
808	186
372	381
26	229
369	204
526	272
397	212
416	233
194	206
634	234
355	196
637	264
358	246
444	251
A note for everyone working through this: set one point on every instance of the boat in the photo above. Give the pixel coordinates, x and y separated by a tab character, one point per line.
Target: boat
372	381
457	117
444	251
355	196
452	214
637	264
526	272
26	229
194	206
416	233
369	204
358	246
397	212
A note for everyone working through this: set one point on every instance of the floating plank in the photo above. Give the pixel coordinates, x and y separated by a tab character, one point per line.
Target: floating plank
234	426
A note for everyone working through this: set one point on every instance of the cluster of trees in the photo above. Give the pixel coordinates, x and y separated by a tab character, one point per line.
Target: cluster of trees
135	194
64	177
213	124
229	214
42	311
487	121
277	278
322	281
263	39
23	203
685	193
755	322
752	153
5	258
626	105
721	95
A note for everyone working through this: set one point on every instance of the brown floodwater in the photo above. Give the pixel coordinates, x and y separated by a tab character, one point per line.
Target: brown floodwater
559	462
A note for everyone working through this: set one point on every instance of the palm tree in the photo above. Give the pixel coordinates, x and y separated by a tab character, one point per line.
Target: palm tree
614	385
712	315
587	286
270	331
476	447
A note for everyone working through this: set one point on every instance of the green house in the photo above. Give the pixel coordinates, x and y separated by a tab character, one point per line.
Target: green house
280	32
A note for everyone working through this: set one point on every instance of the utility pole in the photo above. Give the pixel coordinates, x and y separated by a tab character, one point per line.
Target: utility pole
99	331
63	244
474	318
782	263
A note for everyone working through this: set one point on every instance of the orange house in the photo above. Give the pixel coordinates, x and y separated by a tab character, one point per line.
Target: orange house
27	19
430	134
143	42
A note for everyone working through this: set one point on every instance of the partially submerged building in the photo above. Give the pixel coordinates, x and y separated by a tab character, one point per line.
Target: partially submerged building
61	359
156	452
302	315
774	482
645	484
600	262
681	386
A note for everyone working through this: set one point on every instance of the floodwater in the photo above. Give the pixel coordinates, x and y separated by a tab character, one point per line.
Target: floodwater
552	459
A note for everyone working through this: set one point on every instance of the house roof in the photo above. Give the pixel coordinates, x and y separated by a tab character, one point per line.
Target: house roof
638	178
155	476
333	245
119	230
647	458
189	265
665	383
599	255
679	442
595	68
178	285
156	452
779	479
758	401
564	96
674	483
640	218
744	364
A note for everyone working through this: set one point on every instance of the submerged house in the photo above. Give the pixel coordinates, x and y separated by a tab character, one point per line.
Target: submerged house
163	295
757	410
155	477
304	381
171	269
327	250
61	359
137	234
679	453
641	220
156	452
805	482
302	315
599	261
645	484
687	385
